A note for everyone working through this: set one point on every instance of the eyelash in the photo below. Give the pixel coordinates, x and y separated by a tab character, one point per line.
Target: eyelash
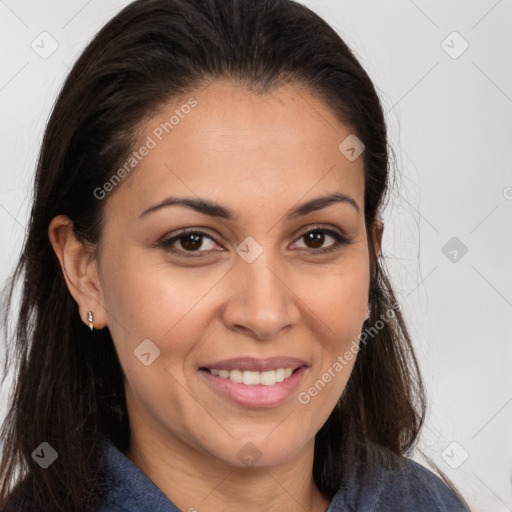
340	240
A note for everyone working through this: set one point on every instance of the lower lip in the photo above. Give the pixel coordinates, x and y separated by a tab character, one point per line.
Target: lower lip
257	395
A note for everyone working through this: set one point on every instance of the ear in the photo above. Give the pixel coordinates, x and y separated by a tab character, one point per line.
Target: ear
378	231
80	270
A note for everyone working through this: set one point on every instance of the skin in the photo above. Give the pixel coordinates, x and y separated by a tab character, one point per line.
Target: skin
260	156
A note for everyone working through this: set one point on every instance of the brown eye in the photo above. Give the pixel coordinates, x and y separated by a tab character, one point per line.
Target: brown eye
189	242
192	243
315	238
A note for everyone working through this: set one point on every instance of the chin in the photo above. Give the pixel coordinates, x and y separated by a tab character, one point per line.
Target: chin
262	451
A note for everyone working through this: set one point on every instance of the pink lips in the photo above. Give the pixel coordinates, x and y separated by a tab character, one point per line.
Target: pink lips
255	396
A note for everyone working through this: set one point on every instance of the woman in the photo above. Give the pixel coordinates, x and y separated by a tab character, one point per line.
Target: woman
206	323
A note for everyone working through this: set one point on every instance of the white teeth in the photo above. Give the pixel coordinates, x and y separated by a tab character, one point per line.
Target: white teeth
266	378
236	376
251	378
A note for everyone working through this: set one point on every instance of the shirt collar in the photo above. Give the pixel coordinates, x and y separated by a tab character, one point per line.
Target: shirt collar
129	488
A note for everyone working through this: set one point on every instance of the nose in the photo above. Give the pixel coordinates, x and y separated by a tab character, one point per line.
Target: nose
261	304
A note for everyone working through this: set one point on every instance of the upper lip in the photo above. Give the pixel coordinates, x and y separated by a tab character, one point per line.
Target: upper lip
256	365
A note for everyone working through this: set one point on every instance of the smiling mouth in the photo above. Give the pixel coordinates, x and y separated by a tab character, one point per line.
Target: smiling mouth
253	383
252	378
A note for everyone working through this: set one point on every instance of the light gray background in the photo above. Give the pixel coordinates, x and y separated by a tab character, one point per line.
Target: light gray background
450	122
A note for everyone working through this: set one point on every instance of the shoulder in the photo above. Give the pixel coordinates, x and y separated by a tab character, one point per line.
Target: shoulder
403	487
415	485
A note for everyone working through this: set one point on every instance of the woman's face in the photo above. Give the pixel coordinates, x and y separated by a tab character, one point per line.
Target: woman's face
267	291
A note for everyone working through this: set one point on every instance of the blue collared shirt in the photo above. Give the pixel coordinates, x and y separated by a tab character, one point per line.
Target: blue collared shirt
415	489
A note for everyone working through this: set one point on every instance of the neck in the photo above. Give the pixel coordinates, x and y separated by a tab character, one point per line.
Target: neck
194	481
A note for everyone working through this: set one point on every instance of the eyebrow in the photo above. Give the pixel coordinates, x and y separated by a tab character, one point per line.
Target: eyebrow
212	209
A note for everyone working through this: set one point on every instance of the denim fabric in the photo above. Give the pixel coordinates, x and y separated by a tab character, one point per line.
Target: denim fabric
130	490
411	489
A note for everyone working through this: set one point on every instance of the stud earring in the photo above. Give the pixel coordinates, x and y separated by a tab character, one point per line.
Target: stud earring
369	312
89	319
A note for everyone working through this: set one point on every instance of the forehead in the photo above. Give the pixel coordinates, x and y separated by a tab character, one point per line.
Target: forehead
238	147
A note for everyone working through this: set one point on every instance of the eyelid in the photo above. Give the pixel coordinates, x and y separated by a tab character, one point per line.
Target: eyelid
331	230
167	241
341	239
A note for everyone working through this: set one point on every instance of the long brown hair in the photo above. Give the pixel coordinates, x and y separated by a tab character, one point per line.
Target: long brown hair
68	381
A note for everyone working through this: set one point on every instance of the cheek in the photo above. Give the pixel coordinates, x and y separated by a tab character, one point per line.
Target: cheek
146	301
154	301
340	308
340	301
